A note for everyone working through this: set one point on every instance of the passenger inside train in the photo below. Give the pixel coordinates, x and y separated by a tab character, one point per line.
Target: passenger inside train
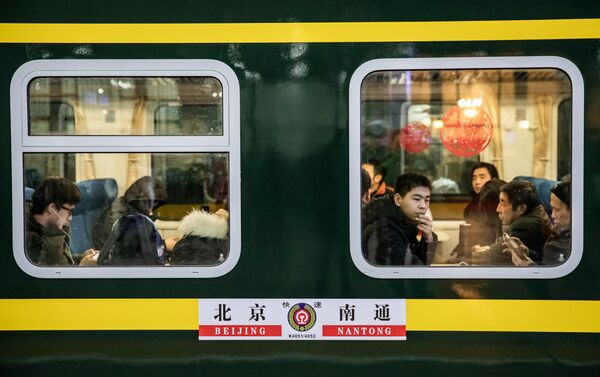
558	247
125	233
48	230
397	230
447	125
140	208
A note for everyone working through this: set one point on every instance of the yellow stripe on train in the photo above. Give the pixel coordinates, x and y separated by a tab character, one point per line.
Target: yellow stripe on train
182	314
308	32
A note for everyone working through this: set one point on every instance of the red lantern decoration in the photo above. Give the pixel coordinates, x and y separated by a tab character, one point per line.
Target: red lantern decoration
415	137
467	129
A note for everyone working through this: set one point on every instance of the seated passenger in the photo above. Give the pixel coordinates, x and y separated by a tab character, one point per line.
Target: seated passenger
522	216
558	247
133	241
142	197
397	230
204	239
377	174
47	239
485	224
481	173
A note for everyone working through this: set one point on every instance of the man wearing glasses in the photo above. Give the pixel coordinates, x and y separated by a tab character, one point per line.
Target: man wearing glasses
47	240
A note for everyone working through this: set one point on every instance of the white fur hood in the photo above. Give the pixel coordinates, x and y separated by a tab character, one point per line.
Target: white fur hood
203	224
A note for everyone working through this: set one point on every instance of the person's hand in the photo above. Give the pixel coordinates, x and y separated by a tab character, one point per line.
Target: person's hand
518	252
425	225
170	242
90	258
518	261
222	213
88	252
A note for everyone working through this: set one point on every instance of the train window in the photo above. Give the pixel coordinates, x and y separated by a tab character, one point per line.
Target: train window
126	169
100	103
465	166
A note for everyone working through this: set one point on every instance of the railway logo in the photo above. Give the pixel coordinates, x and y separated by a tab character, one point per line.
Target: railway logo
302	317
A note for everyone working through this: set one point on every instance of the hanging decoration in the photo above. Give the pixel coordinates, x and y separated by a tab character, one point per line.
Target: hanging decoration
415	137
467	128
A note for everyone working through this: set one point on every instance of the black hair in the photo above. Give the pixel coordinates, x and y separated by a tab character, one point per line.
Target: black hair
562	190
377	168
57	190
489	196
409	181
521	192
490	168
365	182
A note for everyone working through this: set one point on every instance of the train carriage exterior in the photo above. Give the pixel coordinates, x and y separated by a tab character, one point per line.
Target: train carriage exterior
268	110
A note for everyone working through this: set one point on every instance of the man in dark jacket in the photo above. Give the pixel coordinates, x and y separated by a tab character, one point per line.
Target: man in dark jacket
523	217
47	239
558	247
396	228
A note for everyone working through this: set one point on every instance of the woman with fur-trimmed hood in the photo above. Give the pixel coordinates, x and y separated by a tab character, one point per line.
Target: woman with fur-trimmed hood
204	239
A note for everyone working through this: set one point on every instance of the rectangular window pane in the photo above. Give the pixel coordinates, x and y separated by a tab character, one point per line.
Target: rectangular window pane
165	106
441	124
134	209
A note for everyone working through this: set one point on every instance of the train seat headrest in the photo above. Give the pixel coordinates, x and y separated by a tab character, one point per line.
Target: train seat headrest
96	194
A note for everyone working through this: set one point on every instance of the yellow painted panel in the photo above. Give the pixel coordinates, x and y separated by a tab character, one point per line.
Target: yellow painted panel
182	314
99	314
503	315
301	32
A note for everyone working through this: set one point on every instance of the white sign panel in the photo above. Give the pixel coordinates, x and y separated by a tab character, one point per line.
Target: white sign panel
297	319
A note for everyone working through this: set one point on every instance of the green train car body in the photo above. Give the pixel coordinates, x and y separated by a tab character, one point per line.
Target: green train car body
294	141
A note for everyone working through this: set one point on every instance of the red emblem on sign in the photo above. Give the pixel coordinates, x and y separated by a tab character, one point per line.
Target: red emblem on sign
302	317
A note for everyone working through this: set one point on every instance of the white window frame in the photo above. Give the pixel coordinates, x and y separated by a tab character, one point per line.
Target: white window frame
452	272
22	142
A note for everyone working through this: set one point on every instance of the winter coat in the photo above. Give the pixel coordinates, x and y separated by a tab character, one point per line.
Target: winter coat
142	196
204	241
48	246
390	238
134	241
557	249
533	229
382	191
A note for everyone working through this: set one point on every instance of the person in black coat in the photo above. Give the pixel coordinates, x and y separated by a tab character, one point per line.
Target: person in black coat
396	229
523	217
558	247
204	239
142	197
